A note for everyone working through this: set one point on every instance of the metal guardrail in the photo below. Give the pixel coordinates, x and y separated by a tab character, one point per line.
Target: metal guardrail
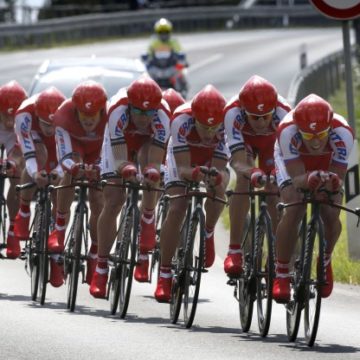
139	22
322	78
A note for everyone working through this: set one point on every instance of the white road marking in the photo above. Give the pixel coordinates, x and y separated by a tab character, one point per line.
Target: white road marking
205	62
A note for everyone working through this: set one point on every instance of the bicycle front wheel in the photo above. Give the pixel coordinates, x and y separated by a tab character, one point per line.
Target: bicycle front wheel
128	250
34	253
247	283
44	257
264	262
315	275
194	262
73	257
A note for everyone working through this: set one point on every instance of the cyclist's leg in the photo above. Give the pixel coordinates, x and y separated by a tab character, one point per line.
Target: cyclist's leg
114	199
213	210
170	239
96	203
238	210
332	230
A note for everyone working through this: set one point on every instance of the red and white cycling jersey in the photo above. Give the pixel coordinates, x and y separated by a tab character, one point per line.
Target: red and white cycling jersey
72	138
28	132
240	135
121	130
185	138
289	147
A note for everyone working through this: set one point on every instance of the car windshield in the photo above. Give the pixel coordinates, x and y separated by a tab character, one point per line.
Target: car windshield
66	79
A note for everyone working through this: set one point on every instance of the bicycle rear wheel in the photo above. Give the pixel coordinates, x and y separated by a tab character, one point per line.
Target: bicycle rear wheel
194	262
315	275
247	283
73	257
264	250
43	256
128	252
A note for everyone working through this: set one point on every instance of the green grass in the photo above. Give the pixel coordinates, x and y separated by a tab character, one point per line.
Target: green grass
345	270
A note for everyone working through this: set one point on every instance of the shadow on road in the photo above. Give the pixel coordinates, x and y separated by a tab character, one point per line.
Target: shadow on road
323	348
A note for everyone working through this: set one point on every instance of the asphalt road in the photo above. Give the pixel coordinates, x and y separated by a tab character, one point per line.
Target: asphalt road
29	331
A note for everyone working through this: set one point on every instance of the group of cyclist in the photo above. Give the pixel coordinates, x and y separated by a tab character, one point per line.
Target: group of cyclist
142	132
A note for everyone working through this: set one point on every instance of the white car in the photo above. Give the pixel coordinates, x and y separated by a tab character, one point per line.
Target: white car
65	74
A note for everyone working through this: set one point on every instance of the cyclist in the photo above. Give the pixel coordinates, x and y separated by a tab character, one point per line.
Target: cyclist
36	134
197	139
173	98
312	149
12	95
251	120
80	122
136	136
163	40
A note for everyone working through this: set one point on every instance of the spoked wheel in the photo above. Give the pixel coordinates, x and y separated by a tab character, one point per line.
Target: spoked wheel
128	252
114	278
264	275
177	288
247	283
73	257
34	255
312	288
44	256
3	218
194	262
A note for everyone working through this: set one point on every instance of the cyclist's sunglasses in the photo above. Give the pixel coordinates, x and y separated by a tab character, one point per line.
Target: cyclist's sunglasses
137	111
320	135
257	116
210	129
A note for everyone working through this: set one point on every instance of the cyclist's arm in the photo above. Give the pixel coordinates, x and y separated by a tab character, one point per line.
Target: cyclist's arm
296	170
156	155
64	149
23	131
220	165
241	164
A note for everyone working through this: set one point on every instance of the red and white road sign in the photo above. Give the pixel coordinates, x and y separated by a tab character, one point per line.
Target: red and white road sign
338	9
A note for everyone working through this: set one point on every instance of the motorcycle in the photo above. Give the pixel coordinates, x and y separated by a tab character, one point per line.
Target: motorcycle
168	69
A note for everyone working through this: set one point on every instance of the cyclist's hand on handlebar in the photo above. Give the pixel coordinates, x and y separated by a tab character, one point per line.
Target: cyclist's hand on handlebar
41	178
151	175
214	177
199	173
129	172
257	178
54	177
9	167
77	170
334	182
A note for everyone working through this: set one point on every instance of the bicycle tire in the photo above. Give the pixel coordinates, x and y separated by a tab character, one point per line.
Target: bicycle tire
34	251
295	305
178	266
44	256
129	244
194	263
74	252
264	260
114	279
312	303
246	285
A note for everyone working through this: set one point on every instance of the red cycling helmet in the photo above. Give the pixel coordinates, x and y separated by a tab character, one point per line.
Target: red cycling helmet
258	96
12	95
313	114
144	93
47	103
173	98
89	97
208	106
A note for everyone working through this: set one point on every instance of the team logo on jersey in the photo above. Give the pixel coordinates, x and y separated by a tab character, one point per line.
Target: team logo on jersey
61	143
88	105
312	126
159	128
120	125
183	129
146	104
260	107
10	111
340	145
